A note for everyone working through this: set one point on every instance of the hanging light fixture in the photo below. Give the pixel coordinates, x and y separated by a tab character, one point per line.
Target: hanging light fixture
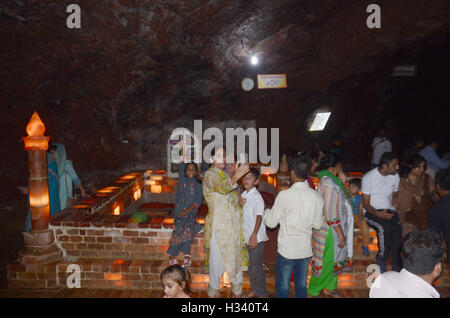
320	121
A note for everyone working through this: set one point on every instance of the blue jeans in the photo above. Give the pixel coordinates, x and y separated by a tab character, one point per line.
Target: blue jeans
284	268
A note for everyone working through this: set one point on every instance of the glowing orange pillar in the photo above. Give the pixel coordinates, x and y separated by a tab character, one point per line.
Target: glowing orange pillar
36	145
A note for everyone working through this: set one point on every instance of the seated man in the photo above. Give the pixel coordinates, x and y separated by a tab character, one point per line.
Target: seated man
422	260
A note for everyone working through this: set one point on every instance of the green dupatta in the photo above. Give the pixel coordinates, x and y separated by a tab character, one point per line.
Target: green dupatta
336	180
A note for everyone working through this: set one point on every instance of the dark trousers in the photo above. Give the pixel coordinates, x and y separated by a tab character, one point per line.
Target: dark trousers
389	240
284	268
256	270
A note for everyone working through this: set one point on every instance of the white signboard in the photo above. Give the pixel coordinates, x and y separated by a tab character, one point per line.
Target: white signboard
405	70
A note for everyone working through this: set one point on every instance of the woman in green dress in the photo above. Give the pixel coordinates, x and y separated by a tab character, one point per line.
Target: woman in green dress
331	253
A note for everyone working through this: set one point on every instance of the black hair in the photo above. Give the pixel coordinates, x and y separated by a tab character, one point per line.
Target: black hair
291	153
331	159
301	165
179	274
356	182
52	147
386	158
254	172
421	251
416	139
410	163
190	163
213	153
312	153
443	179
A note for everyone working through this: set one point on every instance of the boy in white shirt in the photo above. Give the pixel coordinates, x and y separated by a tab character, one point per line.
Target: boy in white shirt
254	233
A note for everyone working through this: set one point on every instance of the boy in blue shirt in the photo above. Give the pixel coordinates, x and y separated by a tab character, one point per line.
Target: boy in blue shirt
355	188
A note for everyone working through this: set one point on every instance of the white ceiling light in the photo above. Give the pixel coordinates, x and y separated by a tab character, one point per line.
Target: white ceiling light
320	121
254	60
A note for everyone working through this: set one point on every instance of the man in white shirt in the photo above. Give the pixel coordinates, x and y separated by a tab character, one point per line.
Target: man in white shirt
434	163
254	233
379	191
422	258
380	145
298	210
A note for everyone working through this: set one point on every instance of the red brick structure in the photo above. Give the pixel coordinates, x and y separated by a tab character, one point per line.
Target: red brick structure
114	252
40	247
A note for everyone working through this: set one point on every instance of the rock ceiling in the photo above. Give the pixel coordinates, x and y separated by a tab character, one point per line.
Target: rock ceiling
135	66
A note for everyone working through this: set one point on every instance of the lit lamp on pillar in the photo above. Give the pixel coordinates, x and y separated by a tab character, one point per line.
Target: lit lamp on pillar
39	243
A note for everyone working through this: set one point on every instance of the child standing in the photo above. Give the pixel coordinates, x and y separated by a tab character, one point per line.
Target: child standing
254	233
355	188
175	281
189	198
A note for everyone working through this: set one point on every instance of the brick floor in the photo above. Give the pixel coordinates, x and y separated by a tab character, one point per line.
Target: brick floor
115	293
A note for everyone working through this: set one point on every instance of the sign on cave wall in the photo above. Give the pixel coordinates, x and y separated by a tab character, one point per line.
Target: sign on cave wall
271	81
404	71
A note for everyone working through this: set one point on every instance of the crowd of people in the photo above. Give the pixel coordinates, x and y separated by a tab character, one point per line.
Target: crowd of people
405	200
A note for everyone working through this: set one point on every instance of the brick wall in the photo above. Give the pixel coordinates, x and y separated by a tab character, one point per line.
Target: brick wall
113	252
98	273
124	243
119	193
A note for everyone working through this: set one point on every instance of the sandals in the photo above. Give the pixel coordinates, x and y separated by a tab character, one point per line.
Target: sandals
250	295
187	260
331	293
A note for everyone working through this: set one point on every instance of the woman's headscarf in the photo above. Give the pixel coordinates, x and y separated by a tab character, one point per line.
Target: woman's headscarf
61	158
50	158
52	166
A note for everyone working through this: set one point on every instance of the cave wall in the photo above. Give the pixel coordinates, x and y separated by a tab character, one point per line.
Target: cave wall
136	68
